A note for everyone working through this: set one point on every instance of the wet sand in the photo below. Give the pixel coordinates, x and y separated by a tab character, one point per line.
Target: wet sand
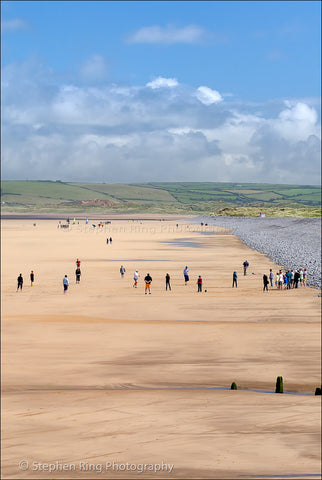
108	374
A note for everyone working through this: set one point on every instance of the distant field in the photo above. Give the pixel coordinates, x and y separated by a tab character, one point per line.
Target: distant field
158	197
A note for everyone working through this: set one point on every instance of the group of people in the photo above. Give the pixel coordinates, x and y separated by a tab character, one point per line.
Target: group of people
148	279
287	280
20	280
77	274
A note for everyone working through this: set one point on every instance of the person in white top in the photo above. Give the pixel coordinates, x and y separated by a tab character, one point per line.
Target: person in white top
186	275
136	277
280	280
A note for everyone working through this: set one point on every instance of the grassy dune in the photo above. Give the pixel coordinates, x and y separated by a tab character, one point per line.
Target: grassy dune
158	197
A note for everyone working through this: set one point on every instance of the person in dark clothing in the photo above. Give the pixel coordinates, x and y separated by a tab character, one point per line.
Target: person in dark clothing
167	282
246	265
296	279
122	271
78	274
111	240
234	279
32	277
20	282
148	281
107	240
199	283
265	282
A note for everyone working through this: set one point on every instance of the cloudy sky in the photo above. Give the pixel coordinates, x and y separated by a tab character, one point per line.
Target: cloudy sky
121	92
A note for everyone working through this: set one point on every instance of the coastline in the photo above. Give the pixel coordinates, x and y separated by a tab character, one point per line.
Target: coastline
292	242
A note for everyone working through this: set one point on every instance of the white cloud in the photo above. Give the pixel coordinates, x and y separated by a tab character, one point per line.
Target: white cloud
207	96
297	122
163	82
169	35
94	69
111	133
13	24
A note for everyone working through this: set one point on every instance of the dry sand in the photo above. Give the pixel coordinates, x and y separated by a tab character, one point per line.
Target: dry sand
108	374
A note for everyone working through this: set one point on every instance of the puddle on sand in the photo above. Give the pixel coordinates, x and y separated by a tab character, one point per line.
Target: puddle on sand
182	242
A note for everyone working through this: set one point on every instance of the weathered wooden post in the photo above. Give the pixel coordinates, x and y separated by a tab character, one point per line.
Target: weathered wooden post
279	385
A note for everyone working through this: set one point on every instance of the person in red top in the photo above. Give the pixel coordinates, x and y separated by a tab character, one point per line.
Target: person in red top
78	263
199	283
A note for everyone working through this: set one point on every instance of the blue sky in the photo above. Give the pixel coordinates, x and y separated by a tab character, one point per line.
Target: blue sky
170	91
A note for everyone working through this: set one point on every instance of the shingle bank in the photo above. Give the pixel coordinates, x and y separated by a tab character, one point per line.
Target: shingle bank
290	241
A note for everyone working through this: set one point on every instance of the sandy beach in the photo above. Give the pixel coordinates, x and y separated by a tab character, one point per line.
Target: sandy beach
107	382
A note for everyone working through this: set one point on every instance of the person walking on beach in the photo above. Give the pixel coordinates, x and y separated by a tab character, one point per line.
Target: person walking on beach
199	283
32	278
136	277
271	276
235	279
246	265
277	279
167	282
65	283
20	282
78	263
292	279
122	271
265	282
186	275
78	274
107	240
285	280
304	277
148	281
111	240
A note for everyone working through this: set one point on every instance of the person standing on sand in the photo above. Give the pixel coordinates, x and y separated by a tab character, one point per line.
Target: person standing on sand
78	263
199	283
296	279
280	280
111	240
186	275
167	282
235	279
20	282
135	278
107	241
65	283
32	278
122	271
292	278
271	276
148	281
304	277
78	274
301	277
288	274
246	265
265	282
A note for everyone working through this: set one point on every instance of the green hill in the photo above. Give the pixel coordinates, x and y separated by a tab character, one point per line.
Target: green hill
161	197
